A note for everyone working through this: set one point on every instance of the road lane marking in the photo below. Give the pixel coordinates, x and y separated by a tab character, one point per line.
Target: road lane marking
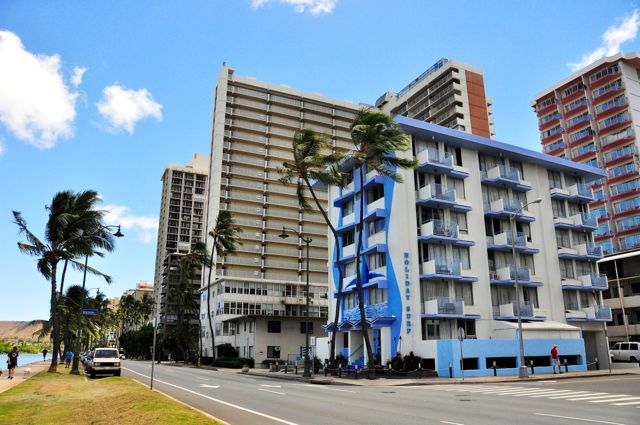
580	381
615	399
626	404
204	379
532	393
226	403
450	423
271	386
558	392
209	386
578	419
599	397
271	391
588	395
569	395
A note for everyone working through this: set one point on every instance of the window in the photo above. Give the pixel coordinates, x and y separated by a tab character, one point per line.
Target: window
376	260
464	291
377	295
273	326
348	238
303	327
562	238
430	329
555	180
375	226
349	269
273	351
566	269
461	220
461	254
375	193
347	208
349	301
530	294
559	209
458	184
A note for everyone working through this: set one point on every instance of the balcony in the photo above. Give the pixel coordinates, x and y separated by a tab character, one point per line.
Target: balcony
440	196
614	105
442	232
630	206
505	176
447	269
603	78
580	221
448	308
433	161
507	276
594	313
580	193
580	137
551	137
611	141
621	172
588	282
559	148
583	252
505	240
575	122
607	91
510	311
614	122
507	207
377	315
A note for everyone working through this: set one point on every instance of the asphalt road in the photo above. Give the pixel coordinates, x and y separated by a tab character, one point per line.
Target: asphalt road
251	400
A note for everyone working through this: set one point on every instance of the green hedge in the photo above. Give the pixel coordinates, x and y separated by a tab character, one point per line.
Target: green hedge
234	362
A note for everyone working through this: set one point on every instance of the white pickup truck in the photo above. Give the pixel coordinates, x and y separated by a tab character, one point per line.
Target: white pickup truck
104	361
626	352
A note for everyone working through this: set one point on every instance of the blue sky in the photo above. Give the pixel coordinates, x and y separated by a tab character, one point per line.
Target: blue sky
145	99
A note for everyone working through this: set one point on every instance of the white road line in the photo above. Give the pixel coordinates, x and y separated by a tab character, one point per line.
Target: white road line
271	391
264	415
587	395
450	423
326	388
559	392
615	399
626	404
569	395
271	386
204	379
538	393
598	397
578	419
209	386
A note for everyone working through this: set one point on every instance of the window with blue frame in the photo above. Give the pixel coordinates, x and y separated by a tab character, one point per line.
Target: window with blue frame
626	205
628	223
599	212
629	242
603	229
347	208
376	226
598	195
617	189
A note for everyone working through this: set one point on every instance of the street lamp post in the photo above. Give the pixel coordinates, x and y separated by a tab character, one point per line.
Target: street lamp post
522	371
307	361
155	332
76	352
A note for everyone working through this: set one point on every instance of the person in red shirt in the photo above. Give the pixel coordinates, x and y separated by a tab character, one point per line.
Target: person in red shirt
555	358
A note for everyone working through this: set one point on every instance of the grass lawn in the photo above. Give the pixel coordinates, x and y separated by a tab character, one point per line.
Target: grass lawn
61	398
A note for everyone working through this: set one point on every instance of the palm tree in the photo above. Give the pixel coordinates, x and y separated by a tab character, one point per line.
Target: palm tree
225	241
146	307
186	307
310	163
376	138
196	259
74	228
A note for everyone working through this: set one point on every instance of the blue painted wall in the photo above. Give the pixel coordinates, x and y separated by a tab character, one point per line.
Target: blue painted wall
449	352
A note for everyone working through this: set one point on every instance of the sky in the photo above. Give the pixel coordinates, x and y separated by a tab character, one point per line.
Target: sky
103	95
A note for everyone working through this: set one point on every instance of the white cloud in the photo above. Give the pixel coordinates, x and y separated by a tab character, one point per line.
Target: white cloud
123	108
3	147
78	73
144	227
612	39
35	103
314	7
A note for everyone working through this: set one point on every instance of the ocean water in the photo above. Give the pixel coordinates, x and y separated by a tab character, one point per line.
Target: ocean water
23	359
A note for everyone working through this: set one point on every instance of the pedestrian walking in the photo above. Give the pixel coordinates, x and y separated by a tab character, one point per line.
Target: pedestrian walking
44	354
67	359
555	359
12	362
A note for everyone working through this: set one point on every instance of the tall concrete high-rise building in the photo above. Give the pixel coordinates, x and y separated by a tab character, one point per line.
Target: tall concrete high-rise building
591	117
182	218
258	296
450	94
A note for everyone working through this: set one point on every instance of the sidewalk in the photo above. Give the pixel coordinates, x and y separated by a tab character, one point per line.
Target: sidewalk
36	367
384	382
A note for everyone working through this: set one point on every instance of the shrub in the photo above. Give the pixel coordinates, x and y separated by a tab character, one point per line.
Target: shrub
226	350
234	362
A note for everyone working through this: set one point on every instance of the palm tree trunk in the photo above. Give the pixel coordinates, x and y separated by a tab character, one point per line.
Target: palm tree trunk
213	345
359	277
64	274
55	328
332	346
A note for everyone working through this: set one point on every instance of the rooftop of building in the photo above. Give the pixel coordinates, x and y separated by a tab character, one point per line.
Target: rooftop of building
631	57
199	165
465	140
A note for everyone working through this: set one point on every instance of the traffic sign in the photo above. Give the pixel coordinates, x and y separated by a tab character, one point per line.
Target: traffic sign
89	311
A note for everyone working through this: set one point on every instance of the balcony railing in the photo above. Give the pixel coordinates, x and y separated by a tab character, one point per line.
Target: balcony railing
446	305
609	122
444	228
434	156
612	138
445	266
442	192
603	312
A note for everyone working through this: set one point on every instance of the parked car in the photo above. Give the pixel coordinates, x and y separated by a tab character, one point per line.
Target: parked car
626	352
104	361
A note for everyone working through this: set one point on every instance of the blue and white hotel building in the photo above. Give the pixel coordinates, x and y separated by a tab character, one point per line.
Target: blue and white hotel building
437	257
